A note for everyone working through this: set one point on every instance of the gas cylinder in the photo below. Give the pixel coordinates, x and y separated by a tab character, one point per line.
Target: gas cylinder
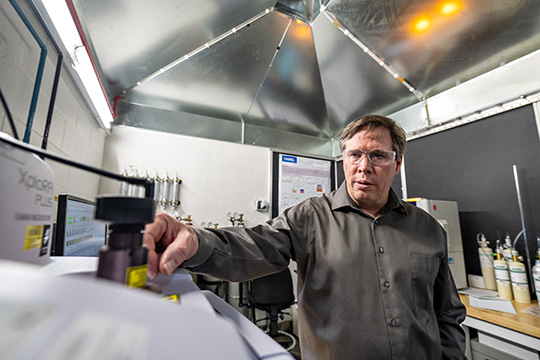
485	254
502	276
520	285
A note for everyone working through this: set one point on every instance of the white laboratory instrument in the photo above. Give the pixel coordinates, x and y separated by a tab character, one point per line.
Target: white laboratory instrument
69	313
79	316
446	213
26	205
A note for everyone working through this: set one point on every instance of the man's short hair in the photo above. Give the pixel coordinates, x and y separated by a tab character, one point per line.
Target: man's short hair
370	122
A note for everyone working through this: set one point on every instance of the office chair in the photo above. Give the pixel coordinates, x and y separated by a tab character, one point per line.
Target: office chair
273	293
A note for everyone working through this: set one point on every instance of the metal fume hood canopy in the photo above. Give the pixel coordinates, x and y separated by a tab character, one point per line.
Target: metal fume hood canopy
291	74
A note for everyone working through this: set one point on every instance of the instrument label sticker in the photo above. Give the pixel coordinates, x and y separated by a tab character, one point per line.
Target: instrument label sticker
136	276
33	237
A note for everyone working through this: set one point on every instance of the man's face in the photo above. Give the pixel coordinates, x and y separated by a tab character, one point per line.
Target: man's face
368	185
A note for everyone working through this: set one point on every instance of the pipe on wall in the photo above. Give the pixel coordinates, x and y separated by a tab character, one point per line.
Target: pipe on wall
8	113
54	90
39	75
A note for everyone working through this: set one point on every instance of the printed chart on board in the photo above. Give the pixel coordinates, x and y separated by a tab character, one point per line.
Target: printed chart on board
301	178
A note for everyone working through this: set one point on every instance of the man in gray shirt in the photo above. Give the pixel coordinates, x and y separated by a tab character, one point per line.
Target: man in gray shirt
373	274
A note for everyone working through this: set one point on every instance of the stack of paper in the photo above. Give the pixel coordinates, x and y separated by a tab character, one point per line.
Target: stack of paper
488	299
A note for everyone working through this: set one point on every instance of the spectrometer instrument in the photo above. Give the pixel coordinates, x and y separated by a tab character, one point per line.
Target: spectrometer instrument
67	314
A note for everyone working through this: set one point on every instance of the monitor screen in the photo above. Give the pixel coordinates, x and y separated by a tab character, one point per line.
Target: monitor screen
76	232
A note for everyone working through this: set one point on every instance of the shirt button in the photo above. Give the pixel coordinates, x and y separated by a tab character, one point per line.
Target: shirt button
393	322
386	284
381	250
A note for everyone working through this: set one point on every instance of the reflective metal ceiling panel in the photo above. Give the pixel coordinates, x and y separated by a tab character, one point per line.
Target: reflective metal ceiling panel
291	97
295	142
134	38
305	10
175	122
453	48
354	84
310	87
220	81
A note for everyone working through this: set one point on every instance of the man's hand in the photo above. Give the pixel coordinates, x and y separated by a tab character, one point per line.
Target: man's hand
174	241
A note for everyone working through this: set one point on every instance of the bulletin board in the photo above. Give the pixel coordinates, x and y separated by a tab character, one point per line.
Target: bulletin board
296	178
473	165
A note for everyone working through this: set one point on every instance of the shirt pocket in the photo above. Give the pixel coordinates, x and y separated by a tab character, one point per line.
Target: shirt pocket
424	271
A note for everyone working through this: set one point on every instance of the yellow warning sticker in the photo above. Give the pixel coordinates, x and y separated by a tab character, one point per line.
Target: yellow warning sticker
172	298
33	236
136	276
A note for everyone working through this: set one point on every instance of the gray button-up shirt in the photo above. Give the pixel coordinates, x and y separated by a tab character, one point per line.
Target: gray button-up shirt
367	288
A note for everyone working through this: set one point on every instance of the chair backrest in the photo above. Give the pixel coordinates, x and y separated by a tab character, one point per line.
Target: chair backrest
272	290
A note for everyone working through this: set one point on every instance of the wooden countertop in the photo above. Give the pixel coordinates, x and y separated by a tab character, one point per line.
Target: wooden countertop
524	323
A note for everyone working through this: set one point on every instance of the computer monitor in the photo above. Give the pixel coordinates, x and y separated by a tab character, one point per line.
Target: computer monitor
77	233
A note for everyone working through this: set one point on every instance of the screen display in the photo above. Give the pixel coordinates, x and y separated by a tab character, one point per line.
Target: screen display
77	232
296	178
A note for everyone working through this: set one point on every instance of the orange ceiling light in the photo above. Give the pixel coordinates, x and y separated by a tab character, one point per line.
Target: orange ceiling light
421	24
448	8
426	21
303	31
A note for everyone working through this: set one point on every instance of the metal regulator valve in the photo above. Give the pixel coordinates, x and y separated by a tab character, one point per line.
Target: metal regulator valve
187	220
210	225
236	219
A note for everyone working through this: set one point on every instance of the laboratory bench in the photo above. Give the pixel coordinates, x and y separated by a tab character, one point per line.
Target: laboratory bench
501	335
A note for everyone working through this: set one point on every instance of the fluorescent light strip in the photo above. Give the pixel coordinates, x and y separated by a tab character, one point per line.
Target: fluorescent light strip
333	19
63	22
478	115
85	70
203	47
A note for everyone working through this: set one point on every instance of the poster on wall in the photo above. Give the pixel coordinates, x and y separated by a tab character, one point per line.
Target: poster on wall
301	178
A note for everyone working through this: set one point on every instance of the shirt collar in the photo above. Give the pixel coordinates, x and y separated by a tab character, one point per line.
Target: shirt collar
343	200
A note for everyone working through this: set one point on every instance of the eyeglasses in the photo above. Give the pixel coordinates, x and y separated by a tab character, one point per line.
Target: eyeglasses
375	157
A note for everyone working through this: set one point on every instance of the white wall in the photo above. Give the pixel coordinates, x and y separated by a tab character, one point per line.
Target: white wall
217	177
74	133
